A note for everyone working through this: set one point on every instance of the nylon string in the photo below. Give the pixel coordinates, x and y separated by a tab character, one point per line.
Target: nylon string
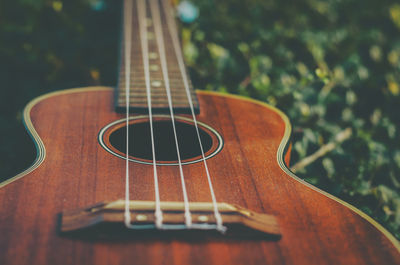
141	8
127	49
160	41
145	52
175	41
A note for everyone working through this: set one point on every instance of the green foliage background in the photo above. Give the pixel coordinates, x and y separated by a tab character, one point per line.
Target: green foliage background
329	65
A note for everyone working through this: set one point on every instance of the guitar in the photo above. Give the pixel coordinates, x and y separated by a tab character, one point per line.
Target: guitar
154	172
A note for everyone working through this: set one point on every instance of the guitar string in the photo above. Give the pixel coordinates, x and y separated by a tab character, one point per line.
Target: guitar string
175	41
127	42
142	16
154	6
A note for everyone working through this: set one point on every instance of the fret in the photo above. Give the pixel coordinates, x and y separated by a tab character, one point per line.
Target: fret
137	68
138	96
156	83
155	102
137	93
155	76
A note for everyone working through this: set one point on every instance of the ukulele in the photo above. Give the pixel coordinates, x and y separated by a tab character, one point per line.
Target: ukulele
154	172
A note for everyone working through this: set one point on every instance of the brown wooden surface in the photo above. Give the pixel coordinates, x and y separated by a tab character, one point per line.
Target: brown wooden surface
77	173
236	218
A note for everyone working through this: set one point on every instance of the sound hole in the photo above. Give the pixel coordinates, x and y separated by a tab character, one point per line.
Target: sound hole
164	140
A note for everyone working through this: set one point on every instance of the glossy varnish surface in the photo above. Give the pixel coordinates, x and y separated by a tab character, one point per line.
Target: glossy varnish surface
77	172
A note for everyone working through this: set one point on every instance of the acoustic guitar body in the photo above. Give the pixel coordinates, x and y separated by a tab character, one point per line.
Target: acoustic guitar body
75	169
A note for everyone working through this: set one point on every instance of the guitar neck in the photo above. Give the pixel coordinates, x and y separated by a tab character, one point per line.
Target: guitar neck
158	76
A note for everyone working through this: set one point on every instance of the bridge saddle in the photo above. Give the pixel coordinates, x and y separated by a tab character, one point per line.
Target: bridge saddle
109	216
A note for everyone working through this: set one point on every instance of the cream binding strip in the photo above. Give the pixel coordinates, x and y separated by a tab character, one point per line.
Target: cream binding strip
40	148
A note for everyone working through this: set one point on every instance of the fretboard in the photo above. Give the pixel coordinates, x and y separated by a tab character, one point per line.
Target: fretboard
138	100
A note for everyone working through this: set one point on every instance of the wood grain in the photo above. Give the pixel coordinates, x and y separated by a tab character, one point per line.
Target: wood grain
77	173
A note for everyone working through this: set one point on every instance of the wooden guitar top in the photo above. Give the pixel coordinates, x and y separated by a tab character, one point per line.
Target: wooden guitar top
73	171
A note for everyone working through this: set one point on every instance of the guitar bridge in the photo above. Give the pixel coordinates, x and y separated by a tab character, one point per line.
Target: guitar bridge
107	218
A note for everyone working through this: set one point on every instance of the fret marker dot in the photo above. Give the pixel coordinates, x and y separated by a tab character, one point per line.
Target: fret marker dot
154	67
203	218
153	55
156	83
141	217
150	35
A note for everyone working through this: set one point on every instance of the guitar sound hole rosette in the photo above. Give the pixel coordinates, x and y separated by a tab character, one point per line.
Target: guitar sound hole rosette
113	139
